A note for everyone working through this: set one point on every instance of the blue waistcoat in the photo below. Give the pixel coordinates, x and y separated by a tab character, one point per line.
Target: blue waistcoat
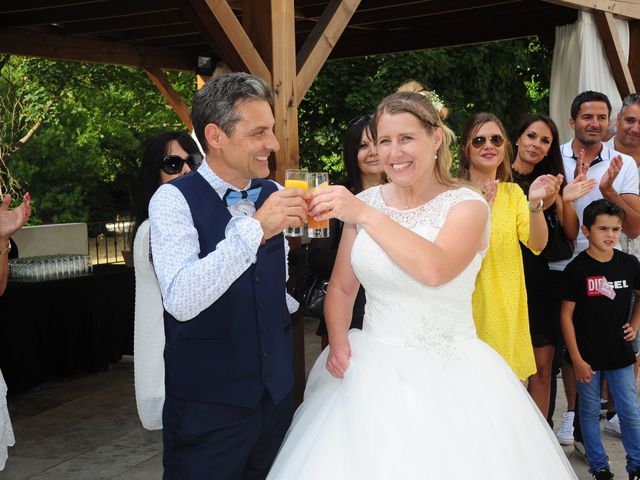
242	343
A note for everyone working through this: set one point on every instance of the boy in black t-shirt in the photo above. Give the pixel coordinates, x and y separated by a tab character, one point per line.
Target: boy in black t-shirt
597	289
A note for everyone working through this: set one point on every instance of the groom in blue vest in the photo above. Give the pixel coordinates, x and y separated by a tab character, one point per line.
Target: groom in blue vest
221	261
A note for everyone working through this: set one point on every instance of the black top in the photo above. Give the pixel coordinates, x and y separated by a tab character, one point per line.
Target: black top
597	319
322	257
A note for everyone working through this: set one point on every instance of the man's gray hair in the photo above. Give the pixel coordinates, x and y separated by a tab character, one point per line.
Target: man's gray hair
218	100
631	99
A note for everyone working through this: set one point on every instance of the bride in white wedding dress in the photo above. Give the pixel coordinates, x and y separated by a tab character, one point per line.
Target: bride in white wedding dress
415	394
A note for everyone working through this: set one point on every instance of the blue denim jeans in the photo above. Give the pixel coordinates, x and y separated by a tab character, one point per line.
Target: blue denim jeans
622	386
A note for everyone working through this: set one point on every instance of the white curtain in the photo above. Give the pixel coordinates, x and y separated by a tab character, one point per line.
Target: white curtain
579	64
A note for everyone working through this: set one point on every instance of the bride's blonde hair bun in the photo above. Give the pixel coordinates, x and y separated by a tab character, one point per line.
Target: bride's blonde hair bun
413	86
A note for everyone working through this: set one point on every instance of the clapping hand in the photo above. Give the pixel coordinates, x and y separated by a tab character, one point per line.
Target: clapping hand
606	183
545	187
284	208
12	220
489	190
581	167
581	185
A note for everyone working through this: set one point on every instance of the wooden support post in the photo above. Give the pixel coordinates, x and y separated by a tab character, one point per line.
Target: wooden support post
270	24
162	83
615	54
634	52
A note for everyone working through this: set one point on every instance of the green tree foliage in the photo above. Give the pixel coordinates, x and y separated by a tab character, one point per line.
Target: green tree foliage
506	78
72	134
82	163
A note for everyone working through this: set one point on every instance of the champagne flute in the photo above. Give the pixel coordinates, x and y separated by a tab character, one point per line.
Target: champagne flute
318	228
295	179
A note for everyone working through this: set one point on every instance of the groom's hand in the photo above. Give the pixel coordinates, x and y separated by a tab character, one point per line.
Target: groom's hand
284	208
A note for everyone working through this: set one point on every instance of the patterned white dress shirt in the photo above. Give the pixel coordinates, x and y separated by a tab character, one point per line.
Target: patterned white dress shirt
188	283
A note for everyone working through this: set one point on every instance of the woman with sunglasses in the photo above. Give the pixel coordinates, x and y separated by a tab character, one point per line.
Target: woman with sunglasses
537	152
500	297
364	170
167	156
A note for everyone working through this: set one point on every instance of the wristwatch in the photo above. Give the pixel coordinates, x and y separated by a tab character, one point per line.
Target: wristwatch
538	208
5	251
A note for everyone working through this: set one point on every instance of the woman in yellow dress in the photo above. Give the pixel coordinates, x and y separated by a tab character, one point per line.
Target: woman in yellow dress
500	296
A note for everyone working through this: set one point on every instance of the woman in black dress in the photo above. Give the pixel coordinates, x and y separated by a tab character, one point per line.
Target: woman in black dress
364	170
537	152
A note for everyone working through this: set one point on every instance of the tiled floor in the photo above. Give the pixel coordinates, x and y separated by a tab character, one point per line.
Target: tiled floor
88	429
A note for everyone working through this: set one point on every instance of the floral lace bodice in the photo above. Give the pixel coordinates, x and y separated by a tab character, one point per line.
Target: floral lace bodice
399	309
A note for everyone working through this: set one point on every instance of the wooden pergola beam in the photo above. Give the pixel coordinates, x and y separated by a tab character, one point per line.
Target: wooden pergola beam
320	42
58	47
630	9
615	54
224	33
634	52
162	83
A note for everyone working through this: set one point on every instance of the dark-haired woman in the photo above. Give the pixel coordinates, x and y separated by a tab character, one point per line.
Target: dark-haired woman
167	156
364	170
537	152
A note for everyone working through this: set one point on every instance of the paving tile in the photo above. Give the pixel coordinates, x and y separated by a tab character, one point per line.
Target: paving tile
87	428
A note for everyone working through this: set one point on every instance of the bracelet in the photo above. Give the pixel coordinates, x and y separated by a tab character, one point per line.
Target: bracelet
5	251
538	208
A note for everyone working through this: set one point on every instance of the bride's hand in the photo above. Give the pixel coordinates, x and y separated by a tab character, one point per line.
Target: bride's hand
336	201
338	359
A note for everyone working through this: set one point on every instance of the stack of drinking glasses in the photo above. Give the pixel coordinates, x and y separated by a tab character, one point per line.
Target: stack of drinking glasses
309	181
49	267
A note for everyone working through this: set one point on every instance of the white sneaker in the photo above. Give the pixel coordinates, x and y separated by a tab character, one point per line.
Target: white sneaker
565	432
613	426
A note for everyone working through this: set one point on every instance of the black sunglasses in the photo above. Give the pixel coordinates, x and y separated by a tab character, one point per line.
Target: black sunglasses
173	164
480	140
360	118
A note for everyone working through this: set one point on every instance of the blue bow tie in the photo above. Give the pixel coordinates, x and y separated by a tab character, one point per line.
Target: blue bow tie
231	197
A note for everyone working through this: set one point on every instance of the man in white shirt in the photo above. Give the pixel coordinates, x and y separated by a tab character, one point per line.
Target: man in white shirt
626	140
617	176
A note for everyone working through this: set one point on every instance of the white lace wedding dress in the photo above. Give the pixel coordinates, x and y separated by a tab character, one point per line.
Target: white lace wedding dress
423	397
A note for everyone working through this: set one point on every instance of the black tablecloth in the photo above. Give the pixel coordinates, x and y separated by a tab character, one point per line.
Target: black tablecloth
61	327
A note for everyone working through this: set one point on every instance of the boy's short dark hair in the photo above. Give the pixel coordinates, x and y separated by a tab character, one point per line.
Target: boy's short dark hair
588	96
601	207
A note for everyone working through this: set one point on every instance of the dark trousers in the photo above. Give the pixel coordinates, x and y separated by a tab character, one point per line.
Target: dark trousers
222	442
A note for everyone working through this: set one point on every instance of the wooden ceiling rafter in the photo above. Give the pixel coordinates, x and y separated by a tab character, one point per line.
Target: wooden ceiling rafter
321	41
33	5
629	9
163	84
217	23
84	12
144	20
614	52
26	42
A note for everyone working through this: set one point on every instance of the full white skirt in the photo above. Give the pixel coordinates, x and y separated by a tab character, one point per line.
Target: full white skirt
403	413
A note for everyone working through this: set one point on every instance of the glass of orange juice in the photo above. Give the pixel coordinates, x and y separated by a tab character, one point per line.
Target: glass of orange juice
295	179
318	229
